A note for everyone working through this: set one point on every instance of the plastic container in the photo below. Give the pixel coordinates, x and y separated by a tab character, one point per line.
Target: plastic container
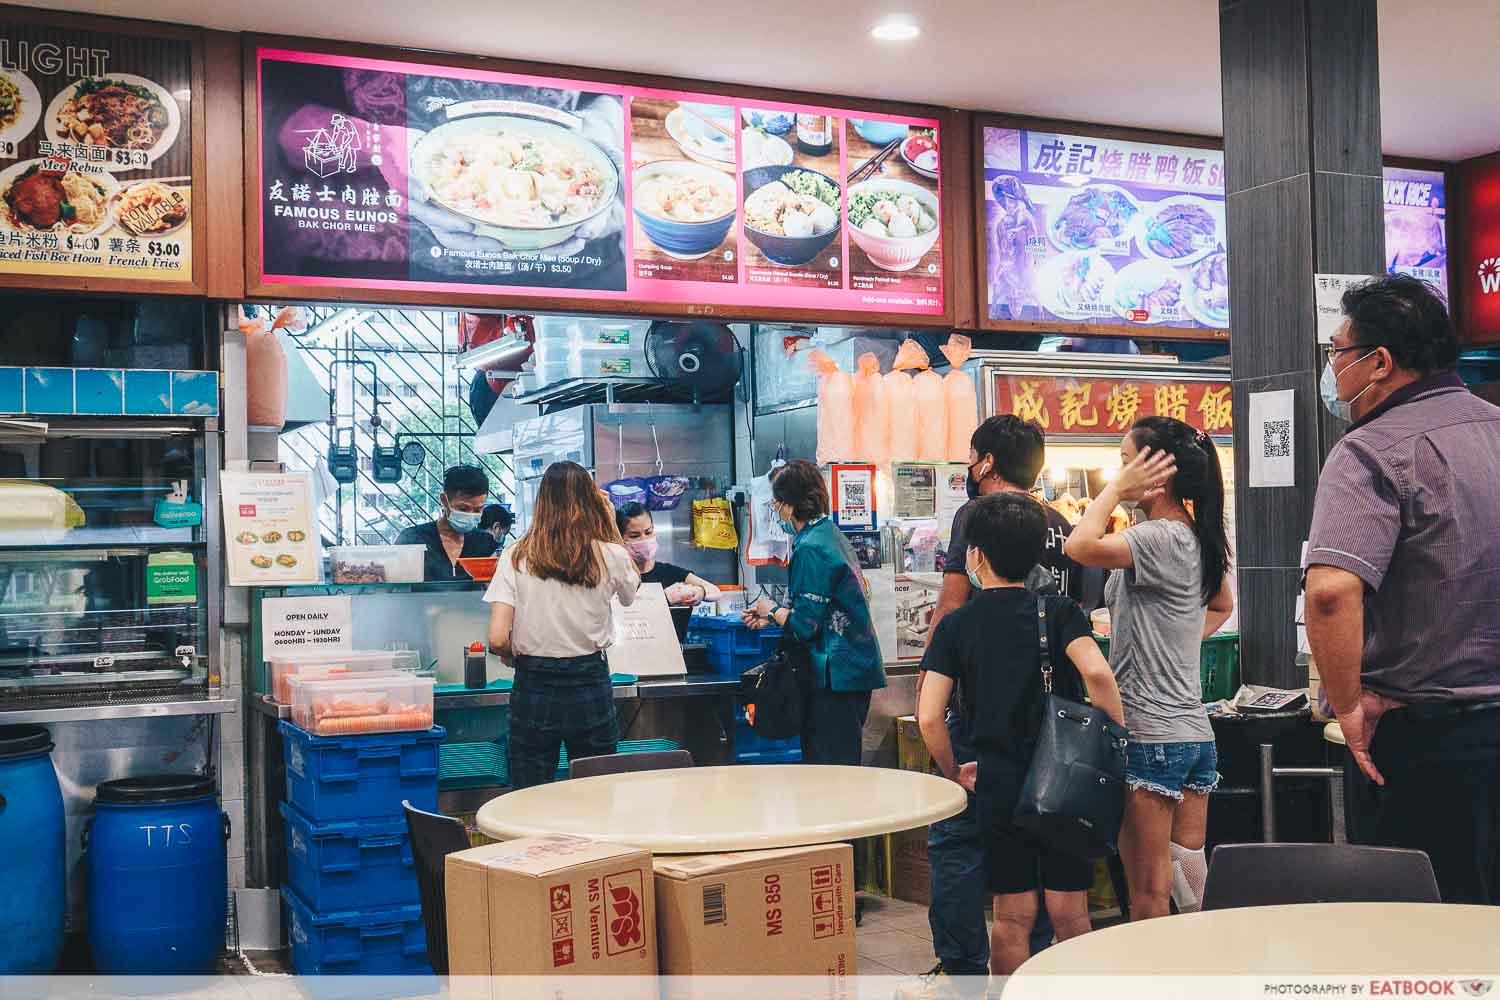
1218	664
383	941
333	778
1099	619
349	865
733	647
32	854
376	563
322	665
752	748
361	703
157	876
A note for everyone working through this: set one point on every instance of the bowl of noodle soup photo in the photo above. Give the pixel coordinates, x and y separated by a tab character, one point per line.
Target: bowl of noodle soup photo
525	182
40	196
120	111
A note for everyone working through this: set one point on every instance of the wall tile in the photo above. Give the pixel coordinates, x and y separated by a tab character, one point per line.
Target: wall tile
1270	278
1262	51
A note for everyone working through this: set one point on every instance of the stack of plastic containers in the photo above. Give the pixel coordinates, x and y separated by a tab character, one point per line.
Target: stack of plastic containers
734	648
570	347
361	740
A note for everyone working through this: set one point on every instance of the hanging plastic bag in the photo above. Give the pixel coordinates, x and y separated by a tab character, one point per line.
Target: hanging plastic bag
713	524
835	409
767	545
901	401
872	416
930	400
265	367
963	402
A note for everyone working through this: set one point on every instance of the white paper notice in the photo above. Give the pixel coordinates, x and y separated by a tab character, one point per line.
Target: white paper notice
1273	439
305	624
1328	293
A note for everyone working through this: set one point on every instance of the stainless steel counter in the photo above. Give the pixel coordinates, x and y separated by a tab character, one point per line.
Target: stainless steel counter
141	710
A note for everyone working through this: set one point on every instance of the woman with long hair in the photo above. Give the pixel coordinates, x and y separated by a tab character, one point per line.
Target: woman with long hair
551	618
1172	590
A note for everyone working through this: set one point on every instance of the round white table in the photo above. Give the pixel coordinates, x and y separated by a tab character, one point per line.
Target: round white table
1310	939
705	809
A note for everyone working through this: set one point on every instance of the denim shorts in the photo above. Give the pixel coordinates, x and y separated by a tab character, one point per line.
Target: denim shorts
1169	769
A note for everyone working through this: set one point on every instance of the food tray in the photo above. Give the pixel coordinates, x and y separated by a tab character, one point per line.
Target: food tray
360	564
322	665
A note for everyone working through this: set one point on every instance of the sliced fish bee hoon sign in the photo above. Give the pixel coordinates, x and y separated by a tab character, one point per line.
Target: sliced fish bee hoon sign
96	153
393	179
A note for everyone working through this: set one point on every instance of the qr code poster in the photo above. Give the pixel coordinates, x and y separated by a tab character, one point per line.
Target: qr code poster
854	497
1272	439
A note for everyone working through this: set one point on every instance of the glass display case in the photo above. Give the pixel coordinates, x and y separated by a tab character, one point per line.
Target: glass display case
109	564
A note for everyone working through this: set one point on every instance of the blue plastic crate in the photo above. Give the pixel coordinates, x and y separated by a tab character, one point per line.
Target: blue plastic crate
332	778
752	748
356	864
733	647
384	941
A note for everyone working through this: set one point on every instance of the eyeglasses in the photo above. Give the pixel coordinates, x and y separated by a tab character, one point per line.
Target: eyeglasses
1331	352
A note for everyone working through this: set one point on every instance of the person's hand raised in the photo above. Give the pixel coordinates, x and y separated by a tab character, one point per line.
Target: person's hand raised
1146	474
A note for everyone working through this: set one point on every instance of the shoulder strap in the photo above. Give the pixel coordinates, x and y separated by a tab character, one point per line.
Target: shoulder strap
1046	648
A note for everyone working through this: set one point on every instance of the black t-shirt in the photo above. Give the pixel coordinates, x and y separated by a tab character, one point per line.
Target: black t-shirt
665	574
435	562
990	648
1066	573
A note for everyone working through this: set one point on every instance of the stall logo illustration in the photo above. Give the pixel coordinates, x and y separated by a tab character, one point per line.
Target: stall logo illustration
332	150
1489	278
1476	987
626	929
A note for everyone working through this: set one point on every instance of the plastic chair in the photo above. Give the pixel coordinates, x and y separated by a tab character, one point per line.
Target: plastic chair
433	838
1275	874
622	763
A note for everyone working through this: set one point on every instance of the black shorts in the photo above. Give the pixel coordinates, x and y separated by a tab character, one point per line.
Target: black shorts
1014	860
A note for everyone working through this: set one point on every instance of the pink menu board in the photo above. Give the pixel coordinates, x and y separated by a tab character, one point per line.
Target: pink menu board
384	175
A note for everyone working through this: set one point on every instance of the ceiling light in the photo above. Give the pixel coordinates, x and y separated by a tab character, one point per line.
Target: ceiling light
896	30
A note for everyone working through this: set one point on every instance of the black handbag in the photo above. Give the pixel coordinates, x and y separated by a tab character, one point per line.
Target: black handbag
1074	796
773	691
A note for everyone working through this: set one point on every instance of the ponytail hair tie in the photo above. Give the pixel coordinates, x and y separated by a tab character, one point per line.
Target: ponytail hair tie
1201	437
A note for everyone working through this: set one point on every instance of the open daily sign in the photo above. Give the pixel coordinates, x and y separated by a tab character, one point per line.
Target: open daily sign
305	625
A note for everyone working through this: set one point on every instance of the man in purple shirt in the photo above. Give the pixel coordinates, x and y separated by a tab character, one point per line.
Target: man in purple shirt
1403	581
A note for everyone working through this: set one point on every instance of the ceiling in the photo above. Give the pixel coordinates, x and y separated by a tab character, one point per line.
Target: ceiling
1146	63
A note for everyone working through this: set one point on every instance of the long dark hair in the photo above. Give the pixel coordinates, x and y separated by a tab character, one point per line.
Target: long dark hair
571	521
1200	482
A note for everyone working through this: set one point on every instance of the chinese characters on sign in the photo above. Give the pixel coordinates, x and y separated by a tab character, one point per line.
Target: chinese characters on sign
97	129
398	175
1111	406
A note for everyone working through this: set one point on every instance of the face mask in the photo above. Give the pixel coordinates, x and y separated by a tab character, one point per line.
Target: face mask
463	521
642	550
1328	388
971	485
787	526
973	576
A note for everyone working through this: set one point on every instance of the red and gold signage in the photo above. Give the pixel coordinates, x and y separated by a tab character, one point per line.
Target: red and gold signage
1073	405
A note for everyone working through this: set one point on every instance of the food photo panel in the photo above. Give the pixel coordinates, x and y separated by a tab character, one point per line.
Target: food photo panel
893	207
683	167
793	210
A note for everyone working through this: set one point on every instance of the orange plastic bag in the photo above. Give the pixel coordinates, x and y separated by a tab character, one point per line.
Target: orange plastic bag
872	415
931	399
265	368
835	409
901	401
962	401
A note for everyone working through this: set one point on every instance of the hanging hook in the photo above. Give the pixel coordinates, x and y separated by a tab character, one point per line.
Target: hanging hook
656	444
620	443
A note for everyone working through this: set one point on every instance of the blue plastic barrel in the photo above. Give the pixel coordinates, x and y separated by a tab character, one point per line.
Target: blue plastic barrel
157	876
32	887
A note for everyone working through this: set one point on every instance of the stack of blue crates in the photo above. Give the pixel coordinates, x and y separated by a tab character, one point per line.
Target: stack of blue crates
732	649
351	894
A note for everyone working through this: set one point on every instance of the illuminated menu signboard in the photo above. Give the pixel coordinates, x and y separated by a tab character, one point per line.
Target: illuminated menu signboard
1112	233
376	174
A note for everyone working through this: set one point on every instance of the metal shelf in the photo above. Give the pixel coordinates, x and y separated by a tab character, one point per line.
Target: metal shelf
578	391
137	710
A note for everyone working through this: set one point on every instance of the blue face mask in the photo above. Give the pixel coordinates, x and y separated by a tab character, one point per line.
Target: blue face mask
973	576
1328	388
463	521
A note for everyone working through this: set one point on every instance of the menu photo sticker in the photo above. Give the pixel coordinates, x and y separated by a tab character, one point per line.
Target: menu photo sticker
270	528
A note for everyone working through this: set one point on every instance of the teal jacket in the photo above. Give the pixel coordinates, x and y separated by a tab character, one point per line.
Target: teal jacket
830	610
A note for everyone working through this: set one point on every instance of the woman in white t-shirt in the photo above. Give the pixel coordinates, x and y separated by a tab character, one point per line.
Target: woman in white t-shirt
551	618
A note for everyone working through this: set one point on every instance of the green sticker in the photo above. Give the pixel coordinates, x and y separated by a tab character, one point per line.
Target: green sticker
171	578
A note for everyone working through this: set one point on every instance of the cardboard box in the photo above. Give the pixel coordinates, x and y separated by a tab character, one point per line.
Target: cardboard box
911	874
780	912
550	906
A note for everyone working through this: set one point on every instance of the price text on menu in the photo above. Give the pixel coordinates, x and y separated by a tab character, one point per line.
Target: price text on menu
396	175
95	154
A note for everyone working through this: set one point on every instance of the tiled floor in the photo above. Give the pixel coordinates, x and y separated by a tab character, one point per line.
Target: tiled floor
894	939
